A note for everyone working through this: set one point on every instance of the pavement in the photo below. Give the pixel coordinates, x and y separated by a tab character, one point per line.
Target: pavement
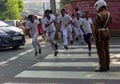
72	66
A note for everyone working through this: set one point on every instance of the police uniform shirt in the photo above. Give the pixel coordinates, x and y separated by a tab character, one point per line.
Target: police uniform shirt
64	20
86	25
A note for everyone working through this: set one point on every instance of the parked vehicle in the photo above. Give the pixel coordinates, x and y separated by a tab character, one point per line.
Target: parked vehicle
11	36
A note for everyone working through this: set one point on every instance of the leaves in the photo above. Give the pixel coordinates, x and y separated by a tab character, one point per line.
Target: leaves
64	2
11	9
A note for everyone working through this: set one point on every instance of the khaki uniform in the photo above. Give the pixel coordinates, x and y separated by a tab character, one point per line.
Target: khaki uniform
102	35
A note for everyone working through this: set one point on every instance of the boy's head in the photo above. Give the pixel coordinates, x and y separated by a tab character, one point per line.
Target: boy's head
86	15
63	12
47	12
31	17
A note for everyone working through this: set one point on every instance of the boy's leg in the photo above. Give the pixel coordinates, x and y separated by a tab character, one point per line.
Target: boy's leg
34	43
64	31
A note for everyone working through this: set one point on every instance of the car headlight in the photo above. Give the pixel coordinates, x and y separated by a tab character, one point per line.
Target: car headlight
21	32
3	33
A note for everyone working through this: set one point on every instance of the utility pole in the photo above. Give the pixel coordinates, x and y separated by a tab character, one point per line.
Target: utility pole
53	6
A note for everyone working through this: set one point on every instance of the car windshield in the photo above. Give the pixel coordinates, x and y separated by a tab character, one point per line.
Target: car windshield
10	23
3	24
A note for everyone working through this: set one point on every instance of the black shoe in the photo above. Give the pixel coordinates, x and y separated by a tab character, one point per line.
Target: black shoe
77	39
36	53
55	54
71	42
66	47
56	46
39	51
89	53
108	68
101	70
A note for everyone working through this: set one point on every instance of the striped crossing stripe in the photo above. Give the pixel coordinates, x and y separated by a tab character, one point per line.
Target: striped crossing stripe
69	74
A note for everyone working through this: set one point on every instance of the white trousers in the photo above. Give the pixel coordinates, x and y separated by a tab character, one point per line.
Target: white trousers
35	43
51	36
69	32
66	32
79	33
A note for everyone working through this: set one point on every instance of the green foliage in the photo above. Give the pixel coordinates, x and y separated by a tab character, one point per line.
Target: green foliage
20	5
10	9
64	2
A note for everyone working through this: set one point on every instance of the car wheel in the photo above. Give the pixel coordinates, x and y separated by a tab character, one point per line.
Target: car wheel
15	47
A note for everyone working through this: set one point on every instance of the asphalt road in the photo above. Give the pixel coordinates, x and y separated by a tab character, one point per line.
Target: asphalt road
71	66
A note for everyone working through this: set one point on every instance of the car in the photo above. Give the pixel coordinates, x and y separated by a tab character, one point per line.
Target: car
19	24
11	36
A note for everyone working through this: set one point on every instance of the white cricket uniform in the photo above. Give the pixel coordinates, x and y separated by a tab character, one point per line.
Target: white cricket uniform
34	33
77	28
86	25
65	30
80	13
51	30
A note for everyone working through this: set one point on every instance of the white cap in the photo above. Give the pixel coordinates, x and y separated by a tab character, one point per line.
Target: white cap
99	4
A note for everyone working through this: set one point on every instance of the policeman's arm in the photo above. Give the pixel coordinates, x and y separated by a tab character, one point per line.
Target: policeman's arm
97	24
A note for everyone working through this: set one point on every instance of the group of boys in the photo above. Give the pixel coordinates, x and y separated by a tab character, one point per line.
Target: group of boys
83	28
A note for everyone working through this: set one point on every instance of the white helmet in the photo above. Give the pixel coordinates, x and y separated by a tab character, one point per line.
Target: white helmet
99	4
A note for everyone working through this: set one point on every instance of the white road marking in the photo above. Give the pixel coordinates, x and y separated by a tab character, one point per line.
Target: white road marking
72	64
86	50
69	75
85	46
13	58
3	62
75	56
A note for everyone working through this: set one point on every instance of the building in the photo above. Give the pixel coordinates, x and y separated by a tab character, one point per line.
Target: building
88	5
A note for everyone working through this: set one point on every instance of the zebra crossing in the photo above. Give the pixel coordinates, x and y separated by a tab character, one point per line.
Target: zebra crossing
74	63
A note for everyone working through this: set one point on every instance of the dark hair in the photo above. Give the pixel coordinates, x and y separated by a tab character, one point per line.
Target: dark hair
47	11
62	9
51	11
73	14
76	9
86	11
30	16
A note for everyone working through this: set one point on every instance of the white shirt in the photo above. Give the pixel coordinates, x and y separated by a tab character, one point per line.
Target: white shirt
51	27
64	20
86	25
43	24
52	16
80	12
33	26
77	22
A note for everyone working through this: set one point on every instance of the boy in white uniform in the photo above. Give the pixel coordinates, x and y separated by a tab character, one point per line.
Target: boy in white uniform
65	20
32	26
77	22
87	26
50	29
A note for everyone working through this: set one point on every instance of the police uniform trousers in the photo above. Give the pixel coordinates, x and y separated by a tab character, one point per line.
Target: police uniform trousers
102	45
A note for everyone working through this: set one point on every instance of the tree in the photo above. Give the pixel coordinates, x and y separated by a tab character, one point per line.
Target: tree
11	9
64	2
20	5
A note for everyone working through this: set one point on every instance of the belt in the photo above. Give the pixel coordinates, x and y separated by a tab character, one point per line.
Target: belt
103	29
